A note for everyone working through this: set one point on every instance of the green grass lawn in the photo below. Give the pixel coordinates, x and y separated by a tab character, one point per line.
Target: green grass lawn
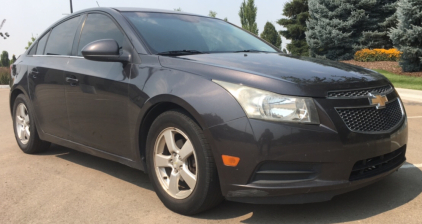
401	81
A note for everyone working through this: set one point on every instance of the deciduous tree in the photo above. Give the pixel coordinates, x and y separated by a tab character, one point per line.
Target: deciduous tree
13	59
271	35
4	59
30	42
247	16
212	14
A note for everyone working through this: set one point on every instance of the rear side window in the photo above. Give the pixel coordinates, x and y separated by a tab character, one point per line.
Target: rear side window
97	27
61	38
41	44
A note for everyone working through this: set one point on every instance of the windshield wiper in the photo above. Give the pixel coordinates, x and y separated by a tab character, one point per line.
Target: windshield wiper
181	52
251	50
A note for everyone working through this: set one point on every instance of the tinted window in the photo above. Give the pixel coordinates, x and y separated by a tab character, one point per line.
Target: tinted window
33	49
41	44
61	38
172	32
97	27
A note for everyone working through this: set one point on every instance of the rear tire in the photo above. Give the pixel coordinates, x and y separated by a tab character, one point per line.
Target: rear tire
24	127
201	189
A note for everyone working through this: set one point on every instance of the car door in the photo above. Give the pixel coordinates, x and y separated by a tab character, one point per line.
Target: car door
97	95
46	77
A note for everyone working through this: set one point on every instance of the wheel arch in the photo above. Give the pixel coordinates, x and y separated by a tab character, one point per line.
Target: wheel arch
155	107
13	94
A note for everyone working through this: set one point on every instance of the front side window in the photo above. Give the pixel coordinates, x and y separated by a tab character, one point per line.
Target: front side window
41	44
61	38
33	49
173	32
98	27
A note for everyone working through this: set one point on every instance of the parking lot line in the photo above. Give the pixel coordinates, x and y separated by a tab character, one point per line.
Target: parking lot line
415	117
405	166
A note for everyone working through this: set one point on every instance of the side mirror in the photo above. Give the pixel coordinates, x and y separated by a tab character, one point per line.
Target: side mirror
105	50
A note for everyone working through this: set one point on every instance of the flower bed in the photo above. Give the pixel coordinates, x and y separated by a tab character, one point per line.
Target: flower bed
367	55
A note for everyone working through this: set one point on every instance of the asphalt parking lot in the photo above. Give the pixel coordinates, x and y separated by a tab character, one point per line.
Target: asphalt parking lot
65	186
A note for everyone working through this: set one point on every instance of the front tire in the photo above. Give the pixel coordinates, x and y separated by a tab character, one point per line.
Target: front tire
180	165
24	127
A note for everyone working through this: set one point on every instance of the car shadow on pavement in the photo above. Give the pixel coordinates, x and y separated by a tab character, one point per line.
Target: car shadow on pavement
114	169
394	191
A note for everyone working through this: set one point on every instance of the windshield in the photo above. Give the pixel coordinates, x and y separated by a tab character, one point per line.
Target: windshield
173	32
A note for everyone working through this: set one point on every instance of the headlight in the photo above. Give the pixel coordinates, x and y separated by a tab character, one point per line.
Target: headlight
260	104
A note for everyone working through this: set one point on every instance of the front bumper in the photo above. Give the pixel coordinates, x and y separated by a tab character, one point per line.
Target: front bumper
312	162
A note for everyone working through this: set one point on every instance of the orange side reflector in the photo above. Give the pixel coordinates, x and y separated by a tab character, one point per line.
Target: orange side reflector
230	160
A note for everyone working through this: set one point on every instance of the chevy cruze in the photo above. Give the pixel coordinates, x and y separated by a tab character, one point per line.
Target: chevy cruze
207	109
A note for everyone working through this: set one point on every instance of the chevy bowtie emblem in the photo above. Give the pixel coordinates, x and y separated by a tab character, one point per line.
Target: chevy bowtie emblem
378	100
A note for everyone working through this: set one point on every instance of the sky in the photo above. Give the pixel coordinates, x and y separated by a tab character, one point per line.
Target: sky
25	18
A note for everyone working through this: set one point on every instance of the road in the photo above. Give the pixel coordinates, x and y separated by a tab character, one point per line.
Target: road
66	186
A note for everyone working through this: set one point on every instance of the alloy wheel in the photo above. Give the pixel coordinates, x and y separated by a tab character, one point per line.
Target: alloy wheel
175	163
22	123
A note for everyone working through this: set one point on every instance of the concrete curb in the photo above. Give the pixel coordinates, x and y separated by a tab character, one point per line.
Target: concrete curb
4	87
410	94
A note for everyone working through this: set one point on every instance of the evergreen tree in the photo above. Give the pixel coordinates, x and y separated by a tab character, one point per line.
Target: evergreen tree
271	35
247	16
4	59
381	18
297	12
407	37
335	27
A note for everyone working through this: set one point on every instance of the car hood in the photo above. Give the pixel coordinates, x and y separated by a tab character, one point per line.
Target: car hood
309	76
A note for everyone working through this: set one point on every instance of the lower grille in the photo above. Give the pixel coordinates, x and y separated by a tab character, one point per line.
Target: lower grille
377	165
279	172
370	119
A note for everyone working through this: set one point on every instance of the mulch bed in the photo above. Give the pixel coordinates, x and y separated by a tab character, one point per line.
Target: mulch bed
390	66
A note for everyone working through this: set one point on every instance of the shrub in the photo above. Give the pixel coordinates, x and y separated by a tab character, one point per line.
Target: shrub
4	76
367	55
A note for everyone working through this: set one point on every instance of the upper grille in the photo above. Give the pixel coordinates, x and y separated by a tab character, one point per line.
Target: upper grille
370	119
360	92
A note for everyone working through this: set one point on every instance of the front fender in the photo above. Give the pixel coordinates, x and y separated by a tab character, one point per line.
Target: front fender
208	103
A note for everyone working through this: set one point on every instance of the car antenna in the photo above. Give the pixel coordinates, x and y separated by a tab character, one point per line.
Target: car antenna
98	4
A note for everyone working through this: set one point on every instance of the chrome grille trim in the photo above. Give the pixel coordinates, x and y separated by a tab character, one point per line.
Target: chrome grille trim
359	93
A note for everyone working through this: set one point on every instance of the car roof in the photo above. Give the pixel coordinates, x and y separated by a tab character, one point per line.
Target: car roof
135	9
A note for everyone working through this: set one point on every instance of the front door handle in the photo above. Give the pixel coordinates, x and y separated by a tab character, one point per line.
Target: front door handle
72	81
34	73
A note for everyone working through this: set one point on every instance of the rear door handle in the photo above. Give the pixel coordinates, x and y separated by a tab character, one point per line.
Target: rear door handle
72	81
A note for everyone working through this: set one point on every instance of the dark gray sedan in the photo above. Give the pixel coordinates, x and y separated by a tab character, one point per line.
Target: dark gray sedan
207	109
